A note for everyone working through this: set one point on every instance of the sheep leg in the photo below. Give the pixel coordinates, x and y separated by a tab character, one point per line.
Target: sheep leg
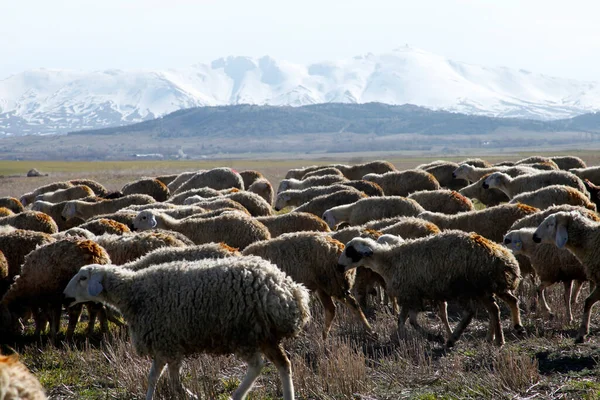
541	292
55	312
495	330
515	313
568	285
329	306
174	368
584	329
443	314
255	366
74	314
402	316
41	320
462	325
158	365
357	311
277	356
577	285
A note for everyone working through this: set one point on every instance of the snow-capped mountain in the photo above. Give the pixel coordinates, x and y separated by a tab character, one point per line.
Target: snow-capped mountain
57	101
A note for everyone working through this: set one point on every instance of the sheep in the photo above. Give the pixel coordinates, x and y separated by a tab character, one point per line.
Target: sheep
12	204
320	204
233	229
544	166
5	212
368	188
55	212
216	178
476	162
250	176
323	172
297	197
256	205
125	248
533	160
432	164
405	182
264	189
85	211
293	222
244	305
164	255
581	236
442	200
550	266
411	228
180	180
491	223
356	172
29	198
418	270
205	192
74	232
150	186
212	204
72	193
590	173
16	382
199	212
554	195
372	208
126	217
31	220
105	225
443	172
490	197
474	174
151	206
526	183
44	275
167	179
298	173
311	259
98	189
325	180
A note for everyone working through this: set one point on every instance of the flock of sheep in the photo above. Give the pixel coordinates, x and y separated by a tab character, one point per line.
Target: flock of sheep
201	262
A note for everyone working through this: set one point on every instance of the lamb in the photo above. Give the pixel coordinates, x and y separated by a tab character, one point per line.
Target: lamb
405	182
149	186
164	255
323	172
104	225
256	205
264	189
216	178
85	211
232	229
320	204
372	208
311	259
554	195
417	270
12	204
125	248
474	174
514	186
250	176
293	222
16	382
476	162
32	221
590	173
443	172
491	223
263	307
287	184
443	200
297	197
98	189
72	193
45	273
29	198
581	236
355	172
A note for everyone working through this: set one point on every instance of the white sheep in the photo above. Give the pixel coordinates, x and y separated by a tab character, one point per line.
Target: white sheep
216	178
245	306
320	204
442	200
85	210
590	173
473	174
287	184
552	195
297	197
293	222
402	183
526	183
72	193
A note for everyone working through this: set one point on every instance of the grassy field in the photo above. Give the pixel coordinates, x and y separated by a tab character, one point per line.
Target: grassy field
542	363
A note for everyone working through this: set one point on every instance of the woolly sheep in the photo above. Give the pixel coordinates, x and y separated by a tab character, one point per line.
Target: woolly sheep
213	204
590	173
181	179
84	210
126	217
298	173
544	166
44	275
442	200
476	162
297	197
372	208
167	179
256	205
356	172
32	221
325	180
554	195
205	192
55	212
443	173
250	176
29	198
533	160
74	232
581	236
323	172
232	229
527	183
216	178
312	259
418	270
96	187
72	193
12	204
259	306
411	221
293	222
199	212
125	248
368	188
151	206
405	182
264	189
105	225
164	255
474	174
5	212
16	382
320	204
149	186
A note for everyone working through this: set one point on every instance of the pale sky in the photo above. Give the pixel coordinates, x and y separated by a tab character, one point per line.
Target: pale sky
560	38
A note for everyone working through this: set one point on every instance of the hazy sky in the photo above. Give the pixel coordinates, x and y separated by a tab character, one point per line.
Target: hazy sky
560	38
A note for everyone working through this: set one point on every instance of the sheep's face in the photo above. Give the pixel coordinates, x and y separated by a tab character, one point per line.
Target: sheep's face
493	181
330	219
514	242
86	285
283	186
282	201
69	211
460	172
553	230
355	253
144	221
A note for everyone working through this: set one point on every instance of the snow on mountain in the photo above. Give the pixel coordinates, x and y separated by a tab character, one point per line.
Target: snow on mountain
57	101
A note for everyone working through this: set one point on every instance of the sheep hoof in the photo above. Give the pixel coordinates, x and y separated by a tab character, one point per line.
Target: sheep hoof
519	329
579	339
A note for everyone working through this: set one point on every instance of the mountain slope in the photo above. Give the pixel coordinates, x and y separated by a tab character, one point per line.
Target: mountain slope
49	101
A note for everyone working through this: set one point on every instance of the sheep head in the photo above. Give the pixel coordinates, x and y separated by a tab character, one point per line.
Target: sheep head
461	172
86	285
513	240
145	220
69	210
282	201
554	229
283	185
330	219
356	251
495	180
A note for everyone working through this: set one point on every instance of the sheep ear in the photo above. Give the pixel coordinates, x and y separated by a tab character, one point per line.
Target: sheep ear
94	285
561	236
